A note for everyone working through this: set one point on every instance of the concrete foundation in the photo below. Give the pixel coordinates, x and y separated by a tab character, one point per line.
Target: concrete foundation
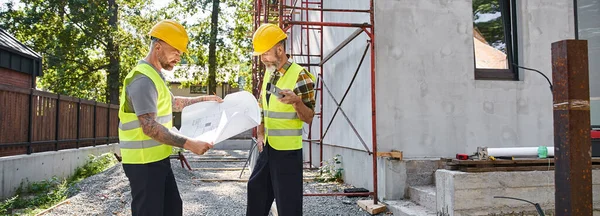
394	176
43	166
461	193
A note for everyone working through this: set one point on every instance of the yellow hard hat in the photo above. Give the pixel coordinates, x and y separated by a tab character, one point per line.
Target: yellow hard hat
265	37
171	32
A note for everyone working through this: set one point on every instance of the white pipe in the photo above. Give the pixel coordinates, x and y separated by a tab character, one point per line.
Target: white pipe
518	152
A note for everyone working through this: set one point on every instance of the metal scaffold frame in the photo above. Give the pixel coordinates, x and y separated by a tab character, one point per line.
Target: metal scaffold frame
282	12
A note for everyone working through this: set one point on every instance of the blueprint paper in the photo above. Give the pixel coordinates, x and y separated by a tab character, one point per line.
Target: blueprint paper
215	122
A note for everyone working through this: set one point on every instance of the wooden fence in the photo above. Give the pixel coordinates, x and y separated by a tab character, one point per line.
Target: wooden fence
35	121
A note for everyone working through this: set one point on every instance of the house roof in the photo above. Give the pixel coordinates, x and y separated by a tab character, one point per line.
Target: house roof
9	43
487	56
184	73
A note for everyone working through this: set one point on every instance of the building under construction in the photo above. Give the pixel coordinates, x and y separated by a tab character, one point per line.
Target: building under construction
425	78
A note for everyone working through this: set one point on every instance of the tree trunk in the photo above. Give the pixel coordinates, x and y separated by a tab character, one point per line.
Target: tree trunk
212	48
112	51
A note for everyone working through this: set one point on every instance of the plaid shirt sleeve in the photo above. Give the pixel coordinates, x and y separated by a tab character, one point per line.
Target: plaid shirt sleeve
305	88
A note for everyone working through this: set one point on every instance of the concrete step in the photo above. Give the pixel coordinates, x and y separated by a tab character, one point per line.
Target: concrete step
423	195
408	208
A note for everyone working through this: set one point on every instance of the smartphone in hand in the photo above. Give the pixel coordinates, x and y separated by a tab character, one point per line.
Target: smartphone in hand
274	90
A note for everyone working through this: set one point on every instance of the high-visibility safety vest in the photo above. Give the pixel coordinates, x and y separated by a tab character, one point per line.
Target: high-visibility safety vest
136	147
283	128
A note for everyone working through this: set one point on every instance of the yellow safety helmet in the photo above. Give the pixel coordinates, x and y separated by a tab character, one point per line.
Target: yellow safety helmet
171	32
265	37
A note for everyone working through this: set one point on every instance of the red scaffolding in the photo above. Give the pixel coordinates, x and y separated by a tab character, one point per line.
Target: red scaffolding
282	12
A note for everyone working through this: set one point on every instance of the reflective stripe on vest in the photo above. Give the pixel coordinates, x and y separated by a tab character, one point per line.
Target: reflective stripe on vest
136	147
136	123
280	115
283	128
138	144
284	132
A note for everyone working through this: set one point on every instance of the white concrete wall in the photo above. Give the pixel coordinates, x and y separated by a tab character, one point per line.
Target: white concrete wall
589	29
43	166
428	102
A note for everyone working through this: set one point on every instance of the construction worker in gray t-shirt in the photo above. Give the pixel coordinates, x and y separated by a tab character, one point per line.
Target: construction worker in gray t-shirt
145	115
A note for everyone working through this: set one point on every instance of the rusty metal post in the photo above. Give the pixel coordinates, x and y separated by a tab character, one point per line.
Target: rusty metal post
572	143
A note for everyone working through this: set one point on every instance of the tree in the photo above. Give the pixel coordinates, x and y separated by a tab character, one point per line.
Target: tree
112	51
226	43
89	46
212	48
80	42
492	30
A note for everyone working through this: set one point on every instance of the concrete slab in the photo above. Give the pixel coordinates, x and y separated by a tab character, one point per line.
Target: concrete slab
423	195
45	165
408	208
460	193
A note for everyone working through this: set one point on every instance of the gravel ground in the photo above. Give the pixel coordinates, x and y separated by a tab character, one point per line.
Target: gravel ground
108	193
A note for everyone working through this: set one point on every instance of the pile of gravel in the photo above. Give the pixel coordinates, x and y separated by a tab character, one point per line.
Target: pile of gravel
108	193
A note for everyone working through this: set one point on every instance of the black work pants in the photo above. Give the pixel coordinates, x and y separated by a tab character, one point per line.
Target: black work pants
276	175
153	189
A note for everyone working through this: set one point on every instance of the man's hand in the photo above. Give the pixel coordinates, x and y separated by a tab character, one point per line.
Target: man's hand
182	102
213	98
260	143
289	97
197	146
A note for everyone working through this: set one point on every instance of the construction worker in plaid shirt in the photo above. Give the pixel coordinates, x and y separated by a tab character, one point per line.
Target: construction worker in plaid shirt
277	174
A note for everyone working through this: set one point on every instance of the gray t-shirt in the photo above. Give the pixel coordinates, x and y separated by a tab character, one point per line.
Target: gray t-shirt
141	94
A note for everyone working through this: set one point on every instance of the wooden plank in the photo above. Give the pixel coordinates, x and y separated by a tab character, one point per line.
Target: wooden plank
392	154
68	99
10	88
45	94
497	162
89	102
509	169
516	161
370	207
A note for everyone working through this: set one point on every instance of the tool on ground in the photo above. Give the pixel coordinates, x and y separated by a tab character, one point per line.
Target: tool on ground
462	156
255	143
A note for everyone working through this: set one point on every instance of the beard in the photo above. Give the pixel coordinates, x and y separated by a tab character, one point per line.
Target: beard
165	64
271	67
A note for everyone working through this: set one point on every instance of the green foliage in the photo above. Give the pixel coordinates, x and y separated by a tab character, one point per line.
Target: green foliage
331	170
492	30
73	37
38	196
94	166
232	44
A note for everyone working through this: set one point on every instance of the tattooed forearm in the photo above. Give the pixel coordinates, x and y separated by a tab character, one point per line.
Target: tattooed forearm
182	102
159	132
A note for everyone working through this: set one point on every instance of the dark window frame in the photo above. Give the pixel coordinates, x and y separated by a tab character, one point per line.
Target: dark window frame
511	40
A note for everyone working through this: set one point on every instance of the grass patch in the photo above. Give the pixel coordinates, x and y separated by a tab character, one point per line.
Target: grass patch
37	196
